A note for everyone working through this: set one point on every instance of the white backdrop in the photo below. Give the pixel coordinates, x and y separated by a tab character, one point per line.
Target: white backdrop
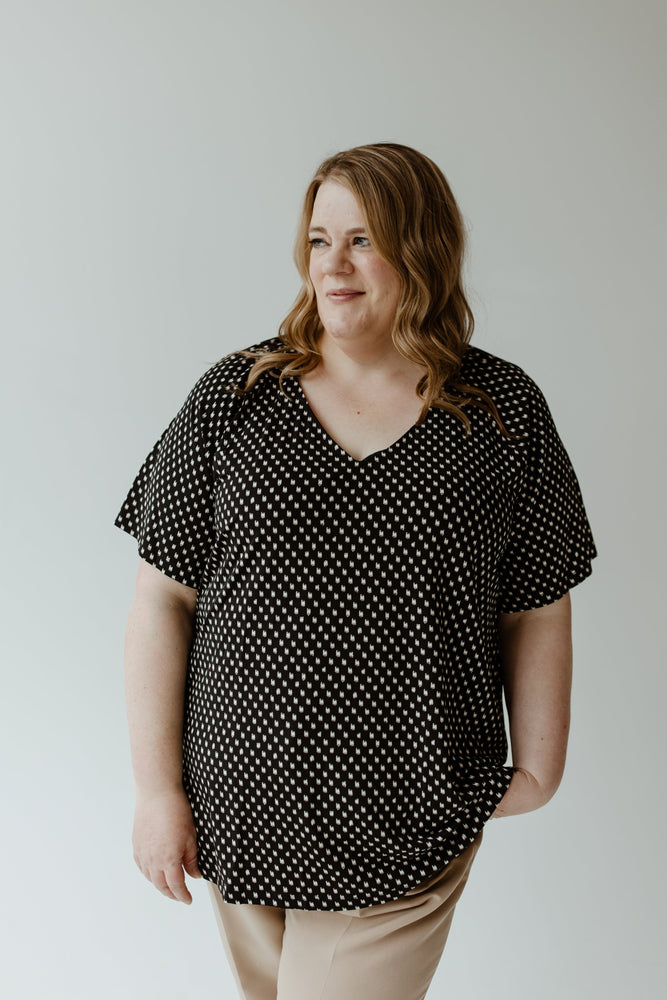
154	157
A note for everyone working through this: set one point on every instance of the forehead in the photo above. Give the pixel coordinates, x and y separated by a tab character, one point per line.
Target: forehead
335	203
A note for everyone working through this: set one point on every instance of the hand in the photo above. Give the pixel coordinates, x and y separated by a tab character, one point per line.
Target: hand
165	841
524	794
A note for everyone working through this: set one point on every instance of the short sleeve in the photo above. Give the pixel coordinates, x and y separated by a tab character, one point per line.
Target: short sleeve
170	506
551	544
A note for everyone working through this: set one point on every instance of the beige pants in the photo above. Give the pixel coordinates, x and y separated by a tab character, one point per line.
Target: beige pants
389	951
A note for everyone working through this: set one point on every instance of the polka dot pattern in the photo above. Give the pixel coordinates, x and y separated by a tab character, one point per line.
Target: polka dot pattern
344	734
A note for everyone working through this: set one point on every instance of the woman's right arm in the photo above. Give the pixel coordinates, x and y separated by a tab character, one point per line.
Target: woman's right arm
157	643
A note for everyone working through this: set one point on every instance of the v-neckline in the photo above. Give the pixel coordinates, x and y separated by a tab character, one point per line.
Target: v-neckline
319	426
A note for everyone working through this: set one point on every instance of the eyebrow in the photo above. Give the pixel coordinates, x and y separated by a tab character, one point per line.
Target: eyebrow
321	229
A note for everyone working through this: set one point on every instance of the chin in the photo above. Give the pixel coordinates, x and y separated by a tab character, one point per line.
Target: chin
343	332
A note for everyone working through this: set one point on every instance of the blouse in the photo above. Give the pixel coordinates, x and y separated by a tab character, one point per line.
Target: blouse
343	736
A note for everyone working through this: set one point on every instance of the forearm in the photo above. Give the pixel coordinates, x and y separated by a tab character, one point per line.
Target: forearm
536	651
157	643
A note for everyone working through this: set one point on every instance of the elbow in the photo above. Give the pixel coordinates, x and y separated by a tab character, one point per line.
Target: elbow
549	789
552	774
543	786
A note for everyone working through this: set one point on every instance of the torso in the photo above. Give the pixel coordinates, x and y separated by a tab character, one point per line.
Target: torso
369	421
343	733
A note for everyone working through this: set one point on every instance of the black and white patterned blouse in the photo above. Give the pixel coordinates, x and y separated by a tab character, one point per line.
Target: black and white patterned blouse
344	734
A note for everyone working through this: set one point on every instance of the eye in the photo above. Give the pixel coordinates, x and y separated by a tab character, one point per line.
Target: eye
317	240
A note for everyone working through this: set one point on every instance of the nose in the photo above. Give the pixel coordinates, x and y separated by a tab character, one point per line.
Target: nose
336	261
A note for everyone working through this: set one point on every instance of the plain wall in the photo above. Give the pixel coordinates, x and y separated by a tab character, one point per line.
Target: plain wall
154	158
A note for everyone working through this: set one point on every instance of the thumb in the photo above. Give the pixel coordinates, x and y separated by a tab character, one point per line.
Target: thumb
190	863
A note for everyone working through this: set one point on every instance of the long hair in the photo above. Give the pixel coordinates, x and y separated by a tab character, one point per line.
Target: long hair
414	223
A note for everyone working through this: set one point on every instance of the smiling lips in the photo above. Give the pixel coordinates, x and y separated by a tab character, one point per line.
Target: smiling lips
343	294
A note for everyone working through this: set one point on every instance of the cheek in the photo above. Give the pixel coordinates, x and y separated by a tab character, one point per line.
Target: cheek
393	288
315	273
389	282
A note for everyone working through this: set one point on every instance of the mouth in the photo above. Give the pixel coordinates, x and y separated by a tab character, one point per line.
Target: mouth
343	294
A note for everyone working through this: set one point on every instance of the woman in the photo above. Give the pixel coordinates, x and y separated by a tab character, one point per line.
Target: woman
353	537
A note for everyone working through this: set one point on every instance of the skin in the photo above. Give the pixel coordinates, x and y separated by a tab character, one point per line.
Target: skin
157	640
363	391
536	654
358	354
357	332
361	370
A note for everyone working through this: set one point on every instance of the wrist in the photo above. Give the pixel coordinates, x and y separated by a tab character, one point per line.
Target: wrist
145	792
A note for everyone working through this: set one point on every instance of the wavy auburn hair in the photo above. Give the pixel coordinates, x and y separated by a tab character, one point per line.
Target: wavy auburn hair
415	224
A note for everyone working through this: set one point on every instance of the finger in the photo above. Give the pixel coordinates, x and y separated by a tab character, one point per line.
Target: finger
158	879
145	871
176	882
162	886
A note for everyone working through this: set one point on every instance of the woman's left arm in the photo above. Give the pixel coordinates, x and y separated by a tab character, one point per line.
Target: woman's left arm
536	655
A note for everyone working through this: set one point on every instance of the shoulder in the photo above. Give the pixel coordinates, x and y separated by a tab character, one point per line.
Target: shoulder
518	397
219	382
496	374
